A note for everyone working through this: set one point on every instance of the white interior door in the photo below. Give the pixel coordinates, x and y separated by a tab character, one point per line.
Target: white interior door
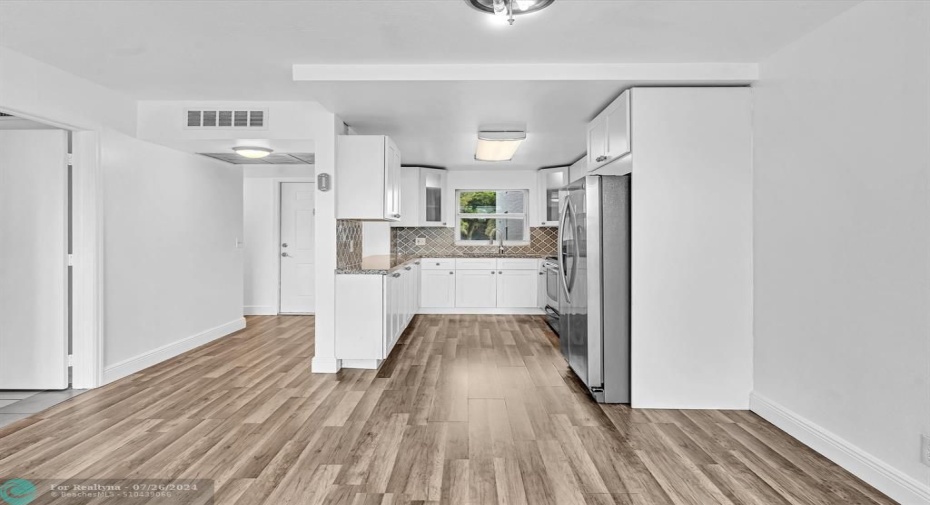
296	248
33	259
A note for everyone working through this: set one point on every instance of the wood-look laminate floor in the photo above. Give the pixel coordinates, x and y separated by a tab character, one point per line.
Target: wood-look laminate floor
469	409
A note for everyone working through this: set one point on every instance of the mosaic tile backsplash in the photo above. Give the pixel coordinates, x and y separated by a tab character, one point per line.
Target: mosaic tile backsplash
348	244
440	242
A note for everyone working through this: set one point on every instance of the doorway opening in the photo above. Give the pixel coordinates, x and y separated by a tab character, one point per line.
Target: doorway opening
275	284
37	277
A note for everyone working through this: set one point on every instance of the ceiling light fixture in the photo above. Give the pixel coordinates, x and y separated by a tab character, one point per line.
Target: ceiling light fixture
507	9
253	152
498	145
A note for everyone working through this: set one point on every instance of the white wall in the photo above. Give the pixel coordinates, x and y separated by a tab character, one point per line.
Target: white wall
37	90
173	273
376	238
691	320
841	219
260	255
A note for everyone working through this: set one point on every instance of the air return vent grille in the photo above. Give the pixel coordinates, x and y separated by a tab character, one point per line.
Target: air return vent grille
197	118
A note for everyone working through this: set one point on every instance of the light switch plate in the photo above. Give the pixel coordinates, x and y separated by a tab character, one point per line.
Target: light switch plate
421	240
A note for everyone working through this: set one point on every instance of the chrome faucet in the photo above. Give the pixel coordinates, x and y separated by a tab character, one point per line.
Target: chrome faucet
499	235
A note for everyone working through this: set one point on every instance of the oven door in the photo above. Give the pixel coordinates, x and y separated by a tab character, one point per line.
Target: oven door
552	294
552	285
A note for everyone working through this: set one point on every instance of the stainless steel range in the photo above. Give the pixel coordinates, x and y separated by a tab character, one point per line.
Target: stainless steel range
553	286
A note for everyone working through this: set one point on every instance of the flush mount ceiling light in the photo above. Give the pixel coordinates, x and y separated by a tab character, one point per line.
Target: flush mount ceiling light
507	9
498	145
252	151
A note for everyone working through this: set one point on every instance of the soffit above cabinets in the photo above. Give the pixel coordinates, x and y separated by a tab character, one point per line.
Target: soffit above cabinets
271	159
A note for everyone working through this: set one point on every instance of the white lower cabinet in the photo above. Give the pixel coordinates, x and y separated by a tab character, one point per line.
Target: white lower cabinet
372	312
475	288
517	288
437	288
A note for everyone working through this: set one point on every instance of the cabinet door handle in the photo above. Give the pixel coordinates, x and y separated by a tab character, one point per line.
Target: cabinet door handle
451	273
493	272
502	273
395	275
408	268
601	158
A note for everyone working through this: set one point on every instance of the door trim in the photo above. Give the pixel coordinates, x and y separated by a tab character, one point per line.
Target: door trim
87	218
276	234
87	306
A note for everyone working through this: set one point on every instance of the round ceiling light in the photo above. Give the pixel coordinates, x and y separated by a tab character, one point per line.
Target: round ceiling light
253	152
507	9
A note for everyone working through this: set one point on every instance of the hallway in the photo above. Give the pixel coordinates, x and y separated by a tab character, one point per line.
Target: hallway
469	409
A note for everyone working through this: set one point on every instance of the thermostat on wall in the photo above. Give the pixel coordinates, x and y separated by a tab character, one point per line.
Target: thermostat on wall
323	182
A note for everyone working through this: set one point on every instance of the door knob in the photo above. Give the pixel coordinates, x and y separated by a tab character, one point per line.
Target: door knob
284	244
601	158
451	273
285	255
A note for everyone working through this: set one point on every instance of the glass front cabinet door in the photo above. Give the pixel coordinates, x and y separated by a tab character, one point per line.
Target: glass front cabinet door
432	197
550	181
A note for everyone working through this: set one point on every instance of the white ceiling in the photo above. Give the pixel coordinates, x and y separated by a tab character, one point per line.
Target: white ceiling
244	50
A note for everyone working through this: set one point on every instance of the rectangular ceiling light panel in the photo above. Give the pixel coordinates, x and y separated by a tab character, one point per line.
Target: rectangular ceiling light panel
498	146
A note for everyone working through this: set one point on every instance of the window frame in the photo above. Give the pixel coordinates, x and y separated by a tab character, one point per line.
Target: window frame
525	215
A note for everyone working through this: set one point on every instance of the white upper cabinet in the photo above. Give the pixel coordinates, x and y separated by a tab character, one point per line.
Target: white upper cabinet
423	202
549	181
609	133
432	192
578	169
368	178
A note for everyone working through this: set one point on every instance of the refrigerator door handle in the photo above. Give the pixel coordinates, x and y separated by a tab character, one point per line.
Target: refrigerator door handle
575	239
561	251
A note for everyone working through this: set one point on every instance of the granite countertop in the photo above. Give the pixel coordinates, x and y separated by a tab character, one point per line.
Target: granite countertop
378	265
386	264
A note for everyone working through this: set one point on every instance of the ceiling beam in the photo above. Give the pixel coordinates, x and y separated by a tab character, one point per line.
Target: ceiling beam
720	73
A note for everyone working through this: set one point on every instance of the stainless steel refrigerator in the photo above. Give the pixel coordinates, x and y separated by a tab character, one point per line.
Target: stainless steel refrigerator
594	255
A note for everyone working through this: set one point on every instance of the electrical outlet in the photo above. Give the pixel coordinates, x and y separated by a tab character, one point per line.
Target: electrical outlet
925	449
421	240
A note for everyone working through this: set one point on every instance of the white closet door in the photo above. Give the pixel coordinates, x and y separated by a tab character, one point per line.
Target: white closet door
33	259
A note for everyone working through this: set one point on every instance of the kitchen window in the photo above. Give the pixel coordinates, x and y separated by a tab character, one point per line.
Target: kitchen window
483	213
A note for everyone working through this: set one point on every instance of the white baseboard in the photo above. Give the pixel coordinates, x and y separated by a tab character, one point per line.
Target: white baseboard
156	356
325	365
259	310
366	364
867	467
491	311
